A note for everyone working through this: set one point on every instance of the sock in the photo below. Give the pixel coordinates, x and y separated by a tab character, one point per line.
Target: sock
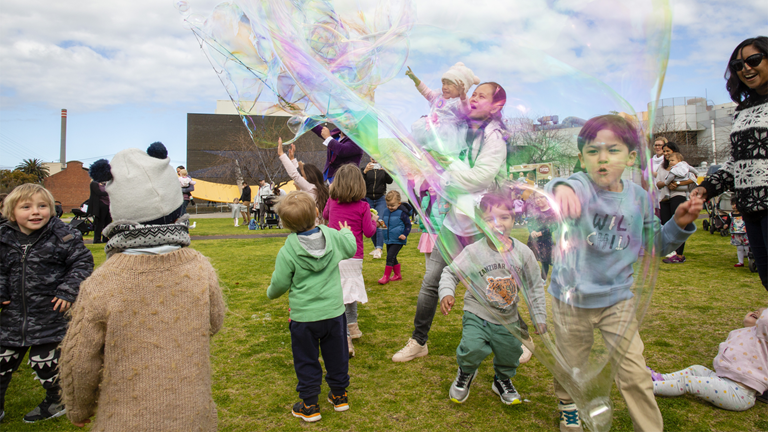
310	401
740	253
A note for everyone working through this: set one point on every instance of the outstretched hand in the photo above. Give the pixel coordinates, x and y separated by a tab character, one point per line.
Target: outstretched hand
688	211
699	192
446	304
409	73
279	147
566	199
292	152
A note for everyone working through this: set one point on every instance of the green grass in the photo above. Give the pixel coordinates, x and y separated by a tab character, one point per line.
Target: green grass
693	308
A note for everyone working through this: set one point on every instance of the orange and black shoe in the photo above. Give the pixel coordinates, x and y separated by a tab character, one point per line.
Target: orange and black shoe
340	403
308	413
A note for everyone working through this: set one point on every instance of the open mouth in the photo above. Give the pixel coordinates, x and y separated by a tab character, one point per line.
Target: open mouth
750	76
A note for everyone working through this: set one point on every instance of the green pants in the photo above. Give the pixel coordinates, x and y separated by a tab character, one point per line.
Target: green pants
479	338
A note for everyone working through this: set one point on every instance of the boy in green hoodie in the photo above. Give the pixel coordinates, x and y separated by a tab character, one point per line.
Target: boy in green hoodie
308	267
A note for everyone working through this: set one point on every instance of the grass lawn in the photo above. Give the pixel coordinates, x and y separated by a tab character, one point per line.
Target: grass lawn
693	308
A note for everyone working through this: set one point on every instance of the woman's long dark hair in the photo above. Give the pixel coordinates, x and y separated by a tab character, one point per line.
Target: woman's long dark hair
499	98
313	175
675	149
739	91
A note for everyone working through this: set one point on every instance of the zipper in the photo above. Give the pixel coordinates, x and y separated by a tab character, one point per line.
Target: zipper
23	288
374	184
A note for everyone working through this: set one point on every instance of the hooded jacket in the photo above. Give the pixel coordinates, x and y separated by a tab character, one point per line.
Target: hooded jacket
313	282
53	266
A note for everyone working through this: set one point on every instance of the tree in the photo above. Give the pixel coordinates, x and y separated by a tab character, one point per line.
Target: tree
692	150
10	179
34	167
528	144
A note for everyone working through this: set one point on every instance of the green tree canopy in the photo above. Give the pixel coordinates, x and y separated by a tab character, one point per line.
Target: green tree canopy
34	167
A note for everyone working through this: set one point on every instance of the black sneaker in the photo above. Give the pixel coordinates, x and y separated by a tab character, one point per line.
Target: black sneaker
340	403
760	398
506	391
309	413
49	408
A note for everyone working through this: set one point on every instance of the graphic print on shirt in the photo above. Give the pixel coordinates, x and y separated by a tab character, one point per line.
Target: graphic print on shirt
610	232
501	291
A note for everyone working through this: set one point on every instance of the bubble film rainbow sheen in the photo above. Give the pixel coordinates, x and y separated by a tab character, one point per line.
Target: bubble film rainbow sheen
343	62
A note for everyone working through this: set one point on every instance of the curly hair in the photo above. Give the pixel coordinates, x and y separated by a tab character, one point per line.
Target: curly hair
739	91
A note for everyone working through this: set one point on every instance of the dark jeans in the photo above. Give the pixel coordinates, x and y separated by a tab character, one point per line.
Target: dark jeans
307	338
426	305
667	209
379	204
98	226
757	233
392	251
44	360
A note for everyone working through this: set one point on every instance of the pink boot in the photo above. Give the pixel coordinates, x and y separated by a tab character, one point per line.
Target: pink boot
397	275
387	271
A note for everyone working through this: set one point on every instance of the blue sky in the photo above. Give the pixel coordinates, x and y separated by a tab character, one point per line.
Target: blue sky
129	72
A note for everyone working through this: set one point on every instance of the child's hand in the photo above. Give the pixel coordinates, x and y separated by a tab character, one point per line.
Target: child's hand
82	423
401	237
62	305
462	90
535	234
343	225
292	152
446	304
279	147
409	73
688	211
540	329
566	199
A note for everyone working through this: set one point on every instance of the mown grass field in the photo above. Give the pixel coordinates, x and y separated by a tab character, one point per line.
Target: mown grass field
693	308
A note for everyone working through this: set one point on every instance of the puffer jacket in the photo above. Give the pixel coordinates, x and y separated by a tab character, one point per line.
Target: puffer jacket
398	222
53	266
376	181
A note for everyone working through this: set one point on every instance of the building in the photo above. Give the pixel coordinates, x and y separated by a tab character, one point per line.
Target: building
70	186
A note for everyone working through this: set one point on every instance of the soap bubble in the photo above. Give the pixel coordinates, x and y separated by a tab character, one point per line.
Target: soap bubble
560	63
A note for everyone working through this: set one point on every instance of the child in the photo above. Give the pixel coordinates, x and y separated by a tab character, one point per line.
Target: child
432	211
43	262
347	204
396	217
542	221
444	130
308	268
610	220
483	325
187	186
679	170
741	369
306	177
237	208
137	351
739	237
519	204
185	179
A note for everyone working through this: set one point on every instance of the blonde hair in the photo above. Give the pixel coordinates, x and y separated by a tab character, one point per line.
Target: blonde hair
348	185
392	197
23	193
182	172
297	211
678	155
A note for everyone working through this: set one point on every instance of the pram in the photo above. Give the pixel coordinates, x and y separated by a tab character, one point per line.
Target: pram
718	209
82	222
271	220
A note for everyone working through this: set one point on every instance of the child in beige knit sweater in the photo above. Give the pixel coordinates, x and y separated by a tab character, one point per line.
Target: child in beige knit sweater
137	347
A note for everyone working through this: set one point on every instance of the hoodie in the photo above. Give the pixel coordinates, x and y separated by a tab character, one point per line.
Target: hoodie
312	278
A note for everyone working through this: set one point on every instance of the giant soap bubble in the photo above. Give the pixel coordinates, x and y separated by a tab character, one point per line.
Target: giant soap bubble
560	63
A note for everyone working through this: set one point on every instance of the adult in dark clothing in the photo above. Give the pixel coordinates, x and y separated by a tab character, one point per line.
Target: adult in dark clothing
376	181
341	151
245	198
98	207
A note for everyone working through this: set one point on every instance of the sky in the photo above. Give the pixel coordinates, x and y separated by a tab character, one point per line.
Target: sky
129	72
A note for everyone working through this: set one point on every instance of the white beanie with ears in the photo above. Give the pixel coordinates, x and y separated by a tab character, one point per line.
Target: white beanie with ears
460	73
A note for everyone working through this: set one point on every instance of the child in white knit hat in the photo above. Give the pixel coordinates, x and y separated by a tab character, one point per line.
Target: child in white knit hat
443	132
137	354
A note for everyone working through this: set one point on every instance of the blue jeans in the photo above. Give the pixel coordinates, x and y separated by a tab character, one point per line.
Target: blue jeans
379	204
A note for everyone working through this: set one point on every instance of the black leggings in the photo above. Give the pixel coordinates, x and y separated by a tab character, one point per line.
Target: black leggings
392	251
44	360
667	209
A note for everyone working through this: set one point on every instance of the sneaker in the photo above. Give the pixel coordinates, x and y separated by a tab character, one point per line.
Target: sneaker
569	418
49	408
2	415
506	391
354	331
351	347
459	391
309	413
372	252
677	259
410	351
340	403
376	254
761	397
655	376
739	265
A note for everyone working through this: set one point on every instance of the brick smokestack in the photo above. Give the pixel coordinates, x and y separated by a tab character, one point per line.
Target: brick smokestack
63	155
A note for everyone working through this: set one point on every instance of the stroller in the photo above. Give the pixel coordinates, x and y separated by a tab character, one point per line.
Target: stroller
719	219
82	222
271	220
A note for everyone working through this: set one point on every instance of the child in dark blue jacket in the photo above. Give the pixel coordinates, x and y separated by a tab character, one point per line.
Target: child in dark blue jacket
398	225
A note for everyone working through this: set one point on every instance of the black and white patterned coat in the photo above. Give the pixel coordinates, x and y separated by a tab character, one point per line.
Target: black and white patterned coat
53	266
745	172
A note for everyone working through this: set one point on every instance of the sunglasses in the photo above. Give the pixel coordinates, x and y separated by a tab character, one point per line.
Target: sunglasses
753	61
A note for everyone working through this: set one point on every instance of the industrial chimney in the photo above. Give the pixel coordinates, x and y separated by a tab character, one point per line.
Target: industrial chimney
63	155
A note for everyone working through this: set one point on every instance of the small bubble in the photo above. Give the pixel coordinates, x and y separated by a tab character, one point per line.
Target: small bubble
182	6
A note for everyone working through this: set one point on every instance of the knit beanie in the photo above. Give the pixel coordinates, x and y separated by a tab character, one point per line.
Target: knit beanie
460	73
142	187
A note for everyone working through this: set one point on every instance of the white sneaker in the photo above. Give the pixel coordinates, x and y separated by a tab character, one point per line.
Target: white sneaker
373	252
376	253
411	351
